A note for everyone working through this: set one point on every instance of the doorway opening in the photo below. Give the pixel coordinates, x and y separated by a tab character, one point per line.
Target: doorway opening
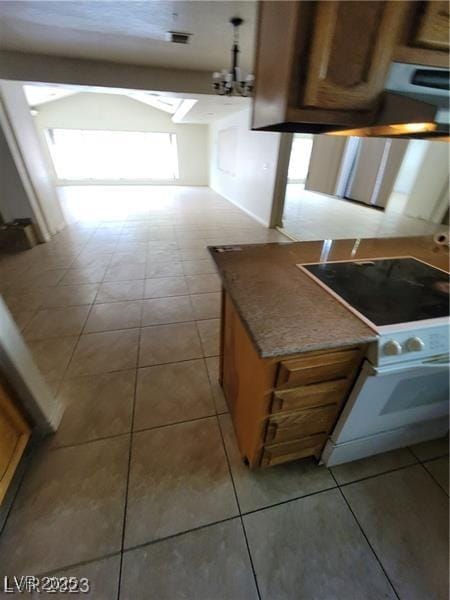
299	159
335	183
112	151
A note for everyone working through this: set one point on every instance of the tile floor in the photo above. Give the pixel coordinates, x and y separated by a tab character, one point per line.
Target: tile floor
142	489
313	216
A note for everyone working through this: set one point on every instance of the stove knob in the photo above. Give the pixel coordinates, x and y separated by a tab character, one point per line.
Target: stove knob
392	348
414	344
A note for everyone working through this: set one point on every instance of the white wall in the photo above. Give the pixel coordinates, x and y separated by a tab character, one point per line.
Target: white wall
19	369
30	160
325	163
14	202
428	198
421	187
251	186
410	166
120	113
25	66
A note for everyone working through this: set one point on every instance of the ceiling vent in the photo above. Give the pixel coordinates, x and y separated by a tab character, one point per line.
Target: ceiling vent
178	37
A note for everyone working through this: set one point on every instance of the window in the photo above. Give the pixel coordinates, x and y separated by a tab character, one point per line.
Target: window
113	155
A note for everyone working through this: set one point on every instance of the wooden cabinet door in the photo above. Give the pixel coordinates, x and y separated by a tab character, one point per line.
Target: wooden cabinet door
433	27
14	435
352	46
424	36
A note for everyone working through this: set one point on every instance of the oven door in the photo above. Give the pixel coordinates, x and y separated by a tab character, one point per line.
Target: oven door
394	397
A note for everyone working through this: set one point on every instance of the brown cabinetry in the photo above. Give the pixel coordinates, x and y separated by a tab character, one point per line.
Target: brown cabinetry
282	408
350	53
14	435
322	66
433	26
424	37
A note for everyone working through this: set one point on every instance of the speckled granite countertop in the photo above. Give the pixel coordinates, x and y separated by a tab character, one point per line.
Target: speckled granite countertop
286	312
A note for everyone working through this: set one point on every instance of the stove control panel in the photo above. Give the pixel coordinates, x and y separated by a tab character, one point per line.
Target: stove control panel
417	344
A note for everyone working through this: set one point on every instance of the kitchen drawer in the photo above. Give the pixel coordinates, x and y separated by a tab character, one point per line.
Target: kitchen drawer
316	368
305	396
300	424
279	453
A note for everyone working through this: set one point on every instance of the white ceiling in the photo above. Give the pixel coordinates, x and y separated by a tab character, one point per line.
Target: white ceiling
193	108
41	94
129	31
210	108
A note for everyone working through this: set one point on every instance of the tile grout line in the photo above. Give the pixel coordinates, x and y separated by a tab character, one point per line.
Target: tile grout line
139	546
433	477
74	349
423	461
130	449
366	537
30	459
218	414
255	578
91	441
83	332
393	470
131	433
128	369
181	533
244	532
211	384
72	353
82	563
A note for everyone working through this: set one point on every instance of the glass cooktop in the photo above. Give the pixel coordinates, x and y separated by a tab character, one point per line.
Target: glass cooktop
387	291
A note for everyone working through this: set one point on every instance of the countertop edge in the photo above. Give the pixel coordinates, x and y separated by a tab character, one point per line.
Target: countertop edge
345	343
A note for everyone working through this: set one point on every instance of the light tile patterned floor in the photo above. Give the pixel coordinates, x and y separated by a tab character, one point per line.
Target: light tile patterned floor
142	489
312	216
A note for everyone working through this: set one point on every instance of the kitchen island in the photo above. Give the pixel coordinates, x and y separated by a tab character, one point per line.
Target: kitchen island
290	352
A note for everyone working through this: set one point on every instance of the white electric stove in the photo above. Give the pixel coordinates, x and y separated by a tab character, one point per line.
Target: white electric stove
401	396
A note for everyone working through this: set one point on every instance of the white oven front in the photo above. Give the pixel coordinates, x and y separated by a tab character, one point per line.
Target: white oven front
390	407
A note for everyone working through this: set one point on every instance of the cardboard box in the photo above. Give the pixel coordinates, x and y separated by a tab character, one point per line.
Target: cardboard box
17	235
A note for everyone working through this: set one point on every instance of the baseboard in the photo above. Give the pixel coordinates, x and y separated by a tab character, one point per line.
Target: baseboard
131	182
290	236
248	212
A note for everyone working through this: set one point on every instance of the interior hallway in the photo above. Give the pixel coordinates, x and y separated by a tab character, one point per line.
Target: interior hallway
313	216
142	489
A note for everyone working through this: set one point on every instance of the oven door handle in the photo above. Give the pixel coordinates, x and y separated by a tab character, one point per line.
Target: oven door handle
430	364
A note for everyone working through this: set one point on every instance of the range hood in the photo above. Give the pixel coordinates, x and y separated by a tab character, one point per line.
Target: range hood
415	103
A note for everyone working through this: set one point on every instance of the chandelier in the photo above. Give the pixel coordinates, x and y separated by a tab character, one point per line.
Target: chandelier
233	82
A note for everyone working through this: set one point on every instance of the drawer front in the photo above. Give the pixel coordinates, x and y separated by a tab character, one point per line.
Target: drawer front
313	369
300	424
306	396
280	453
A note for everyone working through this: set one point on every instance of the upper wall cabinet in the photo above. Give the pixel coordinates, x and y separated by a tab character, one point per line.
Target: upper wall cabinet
350	53
323	65
424	37
433	27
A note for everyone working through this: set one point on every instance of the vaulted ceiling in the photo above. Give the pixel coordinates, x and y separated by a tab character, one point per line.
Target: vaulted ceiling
192	108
